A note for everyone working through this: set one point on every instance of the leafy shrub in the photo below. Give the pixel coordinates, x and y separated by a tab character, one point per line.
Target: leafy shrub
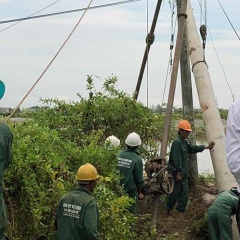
49	148
36	180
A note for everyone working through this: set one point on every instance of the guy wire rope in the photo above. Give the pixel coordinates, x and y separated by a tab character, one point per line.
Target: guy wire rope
45	70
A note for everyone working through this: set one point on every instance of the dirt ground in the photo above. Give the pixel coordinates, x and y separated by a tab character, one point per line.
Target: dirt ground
183	226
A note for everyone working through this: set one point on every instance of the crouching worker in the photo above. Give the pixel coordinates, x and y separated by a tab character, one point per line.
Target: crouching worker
77	214
219	215
6	138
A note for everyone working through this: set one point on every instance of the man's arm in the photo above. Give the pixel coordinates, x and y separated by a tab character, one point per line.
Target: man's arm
233	141
138	177
175	158
91	221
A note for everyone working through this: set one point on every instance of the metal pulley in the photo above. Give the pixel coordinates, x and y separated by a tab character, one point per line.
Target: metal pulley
159	178
150	38
203	32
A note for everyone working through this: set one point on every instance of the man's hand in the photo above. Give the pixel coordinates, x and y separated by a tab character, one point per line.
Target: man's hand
140	196
210	146
179	177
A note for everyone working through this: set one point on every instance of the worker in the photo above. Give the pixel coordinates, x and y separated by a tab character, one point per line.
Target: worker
233	146
219	215
112	142
5	160
130	166
77	214
178	163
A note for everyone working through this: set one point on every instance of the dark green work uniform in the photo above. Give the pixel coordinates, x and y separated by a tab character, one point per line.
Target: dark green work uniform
77	216
130	166
219	216
178	160
5	160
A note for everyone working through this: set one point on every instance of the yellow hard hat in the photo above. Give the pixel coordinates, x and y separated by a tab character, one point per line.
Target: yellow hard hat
87	172
185	125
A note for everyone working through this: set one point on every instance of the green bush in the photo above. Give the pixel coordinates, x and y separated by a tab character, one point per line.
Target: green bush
49	148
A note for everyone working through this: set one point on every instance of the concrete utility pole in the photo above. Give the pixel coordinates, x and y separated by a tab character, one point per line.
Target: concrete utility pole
167	121
187	101
211	117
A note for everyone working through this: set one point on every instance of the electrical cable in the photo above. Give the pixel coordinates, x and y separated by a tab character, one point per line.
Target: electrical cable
225	76
45	70
21	19
200	4
229	20
205	3
18	20
221	67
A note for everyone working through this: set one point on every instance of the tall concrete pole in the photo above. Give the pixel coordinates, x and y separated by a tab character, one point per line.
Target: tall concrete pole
167	122
187	101
211	117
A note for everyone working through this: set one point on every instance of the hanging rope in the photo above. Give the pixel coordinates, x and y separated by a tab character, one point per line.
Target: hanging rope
49	63
203	27
170	61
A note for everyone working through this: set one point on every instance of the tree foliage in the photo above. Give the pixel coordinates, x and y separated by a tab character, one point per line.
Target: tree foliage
49	148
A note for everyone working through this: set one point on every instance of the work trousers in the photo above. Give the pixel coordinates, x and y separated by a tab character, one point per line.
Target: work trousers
179	195
134	195
2	234
219	224
3	215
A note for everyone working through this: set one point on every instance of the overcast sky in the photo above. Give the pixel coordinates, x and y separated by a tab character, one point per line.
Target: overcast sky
108	41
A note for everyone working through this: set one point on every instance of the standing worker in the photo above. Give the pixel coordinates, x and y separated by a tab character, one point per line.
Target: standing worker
5	160
112	142
77	214
219	215
178	162
233	146
130	166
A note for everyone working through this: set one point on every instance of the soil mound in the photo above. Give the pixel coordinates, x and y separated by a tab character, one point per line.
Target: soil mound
183	226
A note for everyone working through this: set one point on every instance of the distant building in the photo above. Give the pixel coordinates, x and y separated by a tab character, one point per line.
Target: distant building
32	109
35	108
5	110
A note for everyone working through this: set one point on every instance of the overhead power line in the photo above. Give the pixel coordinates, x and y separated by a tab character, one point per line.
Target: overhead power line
20	20
229	20
65	12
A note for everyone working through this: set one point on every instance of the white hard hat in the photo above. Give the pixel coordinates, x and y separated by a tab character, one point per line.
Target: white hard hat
112	142
133	140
